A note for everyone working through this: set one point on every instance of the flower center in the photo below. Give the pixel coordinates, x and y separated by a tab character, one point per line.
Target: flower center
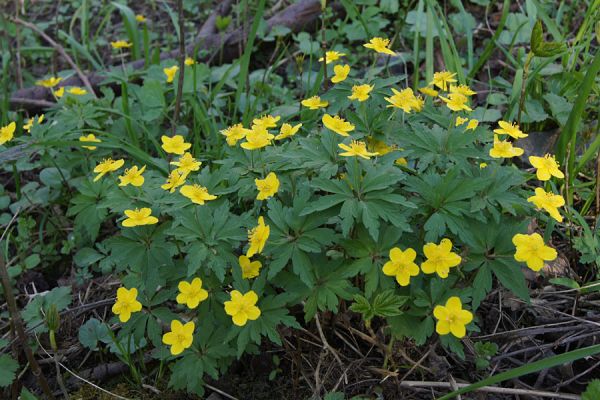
181	337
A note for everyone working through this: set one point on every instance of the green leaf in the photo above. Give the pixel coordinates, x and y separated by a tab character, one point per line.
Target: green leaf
510	275
52	177
387	303
592	392
8	367
482	284
92	332
567	282
541	48
560	108
27	395
32	261
454	345
537	37
187	374
324	203
87	256
362	306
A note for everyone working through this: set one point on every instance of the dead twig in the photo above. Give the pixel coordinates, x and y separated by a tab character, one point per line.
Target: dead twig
491	389
326	344
80	377
420	361
222	393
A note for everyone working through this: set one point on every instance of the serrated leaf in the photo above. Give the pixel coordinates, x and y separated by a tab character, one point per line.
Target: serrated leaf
592	392
511	277
8	367
91	332
482	284
387	304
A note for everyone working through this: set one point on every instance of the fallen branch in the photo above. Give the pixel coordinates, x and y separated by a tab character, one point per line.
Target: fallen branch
491	389
302	15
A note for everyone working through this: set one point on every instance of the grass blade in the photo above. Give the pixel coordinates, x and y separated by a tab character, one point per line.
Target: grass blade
75	45
245	60
528	369
570	129
491	45
130	27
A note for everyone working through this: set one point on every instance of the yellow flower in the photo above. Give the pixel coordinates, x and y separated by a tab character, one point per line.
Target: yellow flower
379	146
176	178
266	122
250	269
180	337
405	100
337	124
532	250
418	104
191	293
457	102
267	187
257	237
360	92
140	18
429	91
77	91
170	72
482	165
189	61
340	73
139	217
401	265
59	92
197	194
332	56
472	125
460	121
234	133
504	149
257	138
549	202
174	145
7	132
314	103
356	149
132	177
401	161
126	303
27	127
440	258
106	166
121	44
48	83
452	318
462	89
442	79
380	45
510	129
89	138
287	130
242	307
546	166
187	163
